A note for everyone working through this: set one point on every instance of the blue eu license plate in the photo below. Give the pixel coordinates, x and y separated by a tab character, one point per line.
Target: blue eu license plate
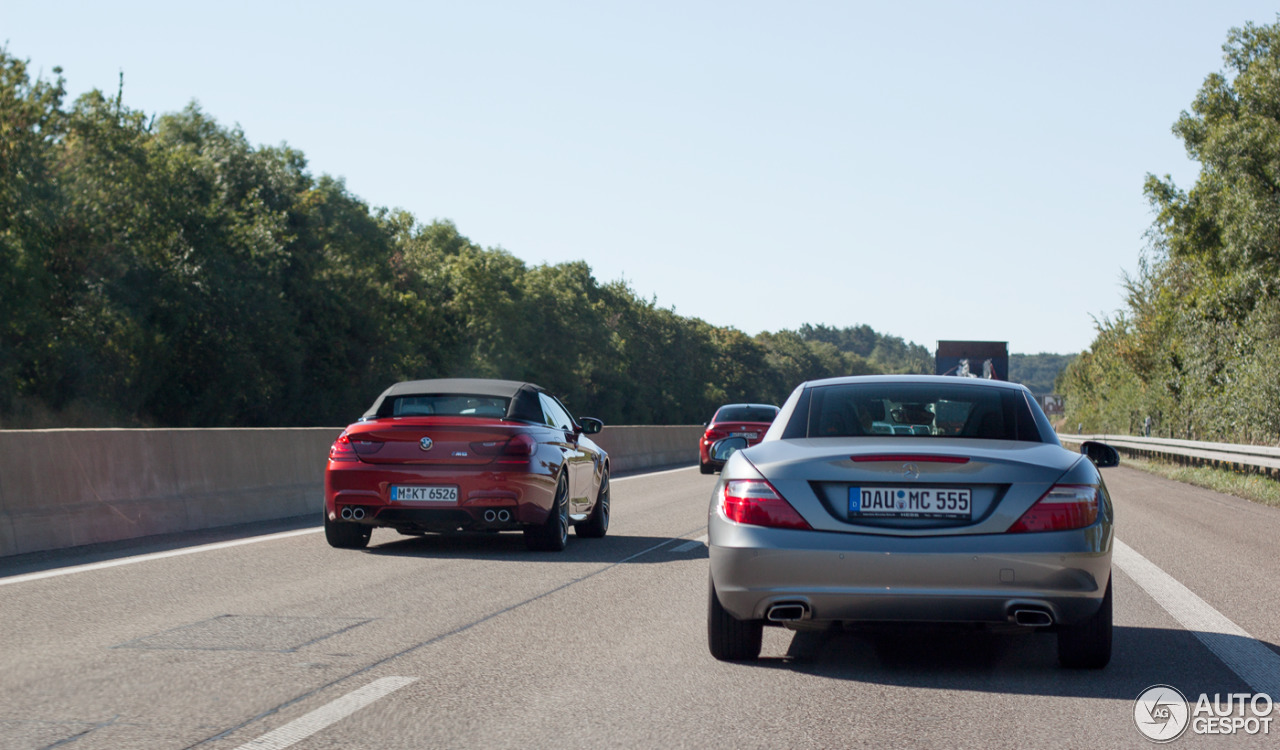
913	502
424	494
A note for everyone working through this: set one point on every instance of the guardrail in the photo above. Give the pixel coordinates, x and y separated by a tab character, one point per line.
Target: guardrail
65	488
1259	459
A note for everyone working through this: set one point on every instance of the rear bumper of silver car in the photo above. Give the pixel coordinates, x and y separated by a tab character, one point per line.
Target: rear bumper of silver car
872	578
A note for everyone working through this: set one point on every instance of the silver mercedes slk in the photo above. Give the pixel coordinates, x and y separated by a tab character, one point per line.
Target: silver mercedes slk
911	499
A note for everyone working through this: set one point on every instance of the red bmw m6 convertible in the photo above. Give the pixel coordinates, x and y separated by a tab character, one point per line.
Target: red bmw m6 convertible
467	455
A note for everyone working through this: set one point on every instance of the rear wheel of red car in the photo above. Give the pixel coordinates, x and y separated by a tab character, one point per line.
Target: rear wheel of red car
346	535
1087	645
706	469
553	535
731	639
597	524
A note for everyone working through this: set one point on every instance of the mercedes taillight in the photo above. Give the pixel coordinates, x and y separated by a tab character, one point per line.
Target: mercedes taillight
756	502
1062	508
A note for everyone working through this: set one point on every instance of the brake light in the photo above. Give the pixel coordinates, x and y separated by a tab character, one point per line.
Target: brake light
1062	508
714	435
912	458
341	449
756	502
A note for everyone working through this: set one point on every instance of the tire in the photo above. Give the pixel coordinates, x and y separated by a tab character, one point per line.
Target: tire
731	639
597	524
553	535
706	469
346	535
1087	645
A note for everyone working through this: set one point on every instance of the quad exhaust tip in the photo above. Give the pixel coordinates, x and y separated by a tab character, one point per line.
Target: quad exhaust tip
788	612
346	514
501	516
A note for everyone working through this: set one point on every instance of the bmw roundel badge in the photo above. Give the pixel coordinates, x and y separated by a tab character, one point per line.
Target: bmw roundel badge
425	444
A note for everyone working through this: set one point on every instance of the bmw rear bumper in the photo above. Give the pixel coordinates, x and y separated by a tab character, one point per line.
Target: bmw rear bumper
525	496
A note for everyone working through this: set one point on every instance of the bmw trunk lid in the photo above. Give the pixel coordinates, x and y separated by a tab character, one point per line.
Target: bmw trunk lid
433	441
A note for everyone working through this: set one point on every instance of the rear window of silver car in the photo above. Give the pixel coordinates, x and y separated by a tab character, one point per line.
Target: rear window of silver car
915	410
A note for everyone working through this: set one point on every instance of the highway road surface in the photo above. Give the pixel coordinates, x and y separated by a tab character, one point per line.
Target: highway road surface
219	642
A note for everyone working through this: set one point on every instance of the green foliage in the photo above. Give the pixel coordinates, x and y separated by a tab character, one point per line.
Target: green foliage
1038	371
1198	348
31	127
872	352
164	271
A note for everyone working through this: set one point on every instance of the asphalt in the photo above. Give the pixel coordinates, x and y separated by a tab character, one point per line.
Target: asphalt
603	645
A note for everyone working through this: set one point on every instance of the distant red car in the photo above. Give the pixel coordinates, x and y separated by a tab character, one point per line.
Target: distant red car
748	421
467	455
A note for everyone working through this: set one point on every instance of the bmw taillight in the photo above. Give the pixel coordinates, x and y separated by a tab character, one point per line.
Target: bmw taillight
516	450
1062	508
341	449
756	502
713	435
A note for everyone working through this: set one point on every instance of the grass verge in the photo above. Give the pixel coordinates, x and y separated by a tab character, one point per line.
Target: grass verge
1256	487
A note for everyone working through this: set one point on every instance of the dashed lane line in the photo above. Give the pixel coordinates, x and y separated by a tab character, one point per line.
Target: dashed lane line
303	727
1245	655
436	639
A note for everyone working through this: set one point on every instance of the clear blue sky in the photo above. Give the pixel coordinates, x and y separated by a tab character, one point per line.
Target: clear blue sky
936	170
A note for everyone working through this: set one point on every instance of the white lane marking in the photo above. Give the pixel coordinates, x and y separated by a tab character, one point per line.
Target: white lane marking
154	556
1256	664
652	474
303	727
691	544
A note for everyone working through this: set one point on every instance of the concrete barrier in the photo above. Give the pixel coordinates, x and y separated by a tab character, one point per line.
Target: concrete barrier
645	446
65	488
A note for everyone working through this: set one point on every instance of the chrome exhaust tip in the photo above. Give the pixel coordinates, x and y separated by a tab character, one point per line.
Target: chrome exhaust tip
504	515
346	514
490	516
357	514
788	612
1032	618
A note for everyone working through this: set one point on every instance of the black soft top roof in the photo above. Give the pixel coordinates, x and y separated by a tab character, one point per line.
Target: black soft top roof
524	396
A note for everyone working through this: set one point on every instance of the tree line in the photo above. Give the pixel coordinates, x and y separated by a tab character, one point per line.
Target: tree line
163	271
1197	346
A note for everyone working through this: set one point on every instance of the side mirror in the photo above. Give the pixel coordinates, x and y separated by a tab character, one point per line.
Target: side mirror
1102	455
590	425
722	449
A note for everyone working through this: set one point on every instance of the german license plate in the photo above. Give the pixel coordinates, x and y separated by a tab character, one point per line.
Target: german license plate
424	494
915	502
747	435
